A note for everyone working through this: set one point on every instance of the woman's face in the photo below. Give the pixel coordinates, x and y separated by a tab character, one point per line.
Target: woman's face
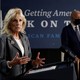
16	24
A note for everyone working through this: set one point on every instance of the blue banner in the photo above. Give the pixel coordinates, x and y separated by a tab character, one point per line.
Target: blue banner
45	19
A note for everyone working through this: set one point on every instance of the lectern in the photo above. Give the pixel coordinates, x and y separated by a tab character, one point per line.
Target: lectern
61	71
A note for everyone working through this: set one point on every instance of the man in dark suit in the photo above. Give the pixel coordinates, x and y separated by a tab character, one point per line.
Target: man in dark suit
70	36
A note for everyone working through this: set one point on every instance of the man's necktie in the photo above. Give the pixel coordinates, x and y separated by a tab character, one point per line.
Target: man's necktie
77	33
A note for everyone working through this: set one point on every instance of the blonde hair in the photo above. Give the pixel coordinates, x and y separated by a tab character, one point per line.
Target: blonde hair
11	14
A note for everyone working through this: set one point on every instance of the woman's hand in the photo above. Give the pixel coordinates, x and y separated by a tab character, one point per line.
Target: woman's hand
39	61
18	60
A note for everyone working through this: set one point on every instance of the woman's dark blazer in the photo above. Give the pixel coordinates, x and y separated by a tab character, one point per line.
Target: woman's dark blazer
70	40
8	50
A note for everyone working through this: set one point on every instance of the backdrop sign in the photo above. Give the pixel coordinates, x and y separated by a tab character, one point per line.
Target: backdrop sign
45	19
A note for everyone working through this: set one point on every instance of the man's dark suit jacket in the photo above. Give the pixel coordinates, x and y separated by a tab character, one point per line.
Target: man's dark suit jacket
8	50
70	40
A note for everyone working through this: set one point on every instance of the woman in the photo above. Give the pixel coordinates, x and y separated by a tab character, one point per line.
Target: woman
15	51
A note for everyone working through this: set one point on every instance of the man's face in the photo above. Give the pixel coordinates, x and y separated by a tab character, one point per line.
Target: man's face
76	17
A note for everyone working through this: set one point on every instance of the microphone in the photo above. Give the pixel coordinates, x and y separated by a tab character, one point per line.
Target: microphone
66	50
70	53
